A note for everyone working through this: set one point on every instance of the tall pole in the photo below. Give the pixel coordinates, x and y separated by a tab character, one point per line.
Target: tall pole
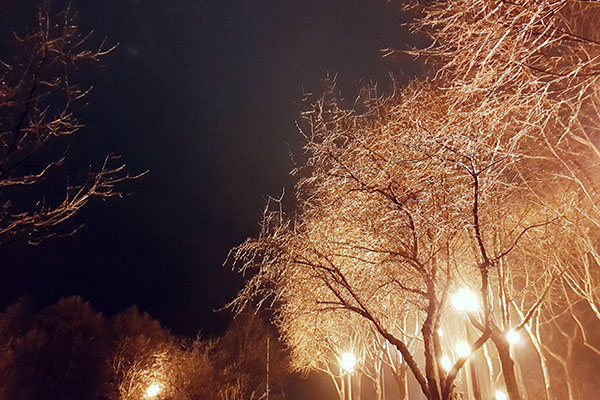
268	344
382	372
342	384
349	386
471	366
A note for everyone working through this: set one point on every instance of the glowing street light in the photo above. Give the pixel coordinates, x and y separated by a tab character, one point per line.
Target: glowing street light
348	362
463	349
500	395
465	300
446	363
513	336
153	390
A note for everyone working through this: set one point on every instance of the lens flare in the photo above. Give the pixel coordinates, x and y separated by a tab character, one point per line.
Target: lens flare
348	362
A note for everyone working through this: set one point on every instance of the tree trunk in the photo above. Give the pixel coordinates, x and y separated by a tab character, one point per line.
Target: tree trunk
471	366
379	383
400	378
475	382
543	362
508	366
431	358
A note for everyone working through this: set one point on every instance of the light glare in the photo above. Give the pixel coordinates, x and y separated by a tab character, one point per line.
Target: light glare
348	362
446	363
465	300
500	395
463	349
153	390
513	336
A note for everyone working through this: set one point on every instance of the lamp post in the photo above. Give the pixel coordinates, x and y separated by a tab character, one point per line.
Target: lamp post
513	338
466	301
348	364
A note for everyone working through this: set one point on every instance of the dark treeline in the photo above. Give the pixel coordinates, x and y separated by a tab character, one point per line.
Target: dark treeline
69	351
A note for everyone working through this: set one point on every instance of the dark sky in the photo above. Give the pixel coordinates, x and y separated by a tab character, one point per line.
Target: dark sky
204	95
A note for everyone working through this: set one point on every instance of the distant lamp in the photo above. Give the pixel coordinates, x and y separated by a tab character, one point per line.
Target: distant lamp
153	390
446	363
500	395
440	332
463	349
348	362
465	300
513	336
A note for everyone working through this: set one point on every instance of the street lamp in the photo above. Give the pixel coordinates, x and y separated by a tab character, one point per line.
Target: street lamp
513	337
467	301
348	364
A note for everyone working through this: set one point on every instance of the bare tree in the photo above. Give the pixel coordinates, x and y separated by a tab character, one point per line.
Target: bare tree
541	60
445	184
250	360
401	202
143	354
38	98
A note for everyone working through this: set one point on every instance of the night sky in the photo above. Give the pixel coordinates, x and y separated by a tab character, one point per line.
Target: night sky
204	95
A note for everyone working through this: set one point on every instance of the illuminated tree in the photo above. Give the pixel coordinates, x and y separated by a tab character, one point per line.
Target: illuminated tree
142	354
318	340
445	184
404	198
38	97
545	56
145	356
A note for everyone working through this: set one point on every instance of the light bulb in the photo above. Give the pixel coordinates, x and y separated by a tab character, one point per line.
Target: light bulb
463	349
348	362
465	300
153	390
446	363
513	336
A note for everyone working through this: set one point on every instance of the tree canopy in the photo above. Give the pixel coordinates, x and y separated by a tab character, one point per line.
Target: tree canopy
476	177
